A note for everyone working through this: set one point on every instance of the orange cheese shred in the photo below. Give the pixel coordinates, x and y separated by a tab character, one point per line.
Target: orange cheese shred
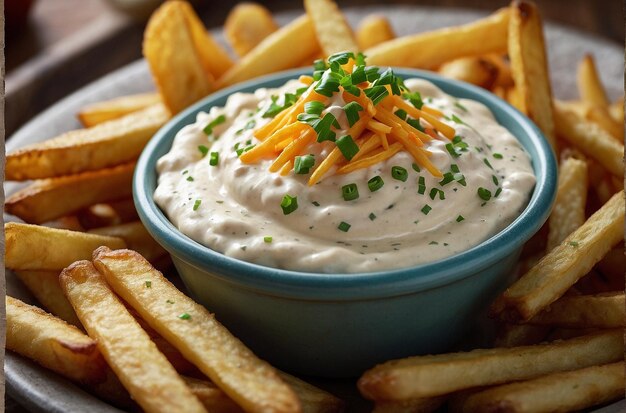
293	149
371	160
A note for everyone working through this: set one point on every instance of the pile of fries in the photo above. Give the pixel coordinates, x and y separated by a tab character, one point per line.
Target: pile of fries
120	329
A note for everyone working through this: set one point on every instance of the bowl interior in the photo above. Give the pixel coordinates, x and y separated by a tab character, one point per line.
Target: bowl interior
354	285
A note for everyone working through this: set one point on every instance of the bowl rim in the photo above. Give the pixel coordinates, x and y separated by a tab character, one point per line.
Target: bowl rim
349	286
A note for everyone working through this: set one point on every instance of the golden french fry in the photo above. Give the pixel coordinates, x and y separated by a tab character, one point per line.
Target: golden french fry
211	397
617	110
488	35
44	285
529	66
33	247
174	61
568	212
246	25
474	70
425	405
589	85
108	144
298	37
505	77
585	311
564	265
99	112
333	32
373	30
428	376
514	97
106	215
602	117
214	59
51	198
251	383
514	335
52	342
142	369
590	139
136	237
558	392
581	108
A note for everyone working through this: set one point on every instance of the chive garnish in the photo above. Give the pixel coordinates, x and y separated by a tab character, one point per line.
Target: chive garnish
401	113
316	203
495	180
208	129
452	151
416	167
486	161
203	150
303	164
344	226
375	183
573	243
447	178
421	185
399	173
497	155
267	240
190	178
314	108
184	316
196	204
352	110
350	192
484	193
426	209
460	218
347	146
372	216
289	204
436	191
214	158
498	191
148	284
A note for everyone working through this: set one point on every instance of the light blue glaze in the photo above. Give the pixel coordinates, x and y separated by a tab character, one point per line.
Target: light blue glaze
338	325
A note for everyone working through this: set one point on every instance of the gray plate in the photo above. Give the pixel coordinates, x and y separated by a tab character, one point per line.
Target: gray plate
43	391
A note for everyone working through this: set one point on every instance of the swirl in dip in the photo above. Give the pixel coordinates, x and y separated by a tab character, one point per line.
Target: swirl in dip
216	185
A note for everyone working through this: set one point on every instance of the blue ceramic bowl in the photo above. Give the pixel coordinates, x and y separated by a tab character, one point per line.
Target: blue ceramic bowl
338	325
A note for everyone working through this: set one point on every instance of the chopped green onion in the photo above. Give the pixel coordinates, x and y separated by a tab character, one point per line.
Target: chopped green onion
401	113
184	316
322	128
372	216
460	218
344	226
303	164
376	93
495	180
447	178
314	108
358	75
415	123
342	57
399	173
458	105
498	191
416	167
148	284
497	155
350	192
347	146
328	84
455	168
486	161
168	301
360	59
456	119
289	204
203	150
267	240
196	204
451	151
426	209
433	194
190	178
421	185
208	129
375	183
214	158
415	98
573	243
484	193
433	243
352	112
316	203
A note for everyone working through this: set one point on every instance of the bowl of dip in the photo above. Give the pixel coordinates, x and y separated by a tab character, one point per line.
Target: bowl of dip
320	282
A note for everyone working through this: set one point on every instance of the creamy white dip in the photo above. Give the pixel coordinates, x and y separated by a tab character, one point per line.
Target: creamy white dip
234	208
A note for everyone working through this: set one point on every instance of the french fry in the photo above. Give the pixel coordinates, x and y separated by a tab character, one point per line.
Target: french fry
374	29
211	397
568	212
602	117
298	37
589	84
246	25
558	392
44	285
505	77
214	59
52	343
474	70
108	144
514	335
585	311
174	61
590	139
617	110
564	265
529	66
428	376
250	382
136	237
333	32
425	405
95	113
488	35
106	215
313	399
143	370
33	247
51	198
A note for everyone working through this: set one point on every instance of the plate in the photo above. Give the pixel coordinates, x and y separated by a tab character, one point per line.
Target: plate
43	391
